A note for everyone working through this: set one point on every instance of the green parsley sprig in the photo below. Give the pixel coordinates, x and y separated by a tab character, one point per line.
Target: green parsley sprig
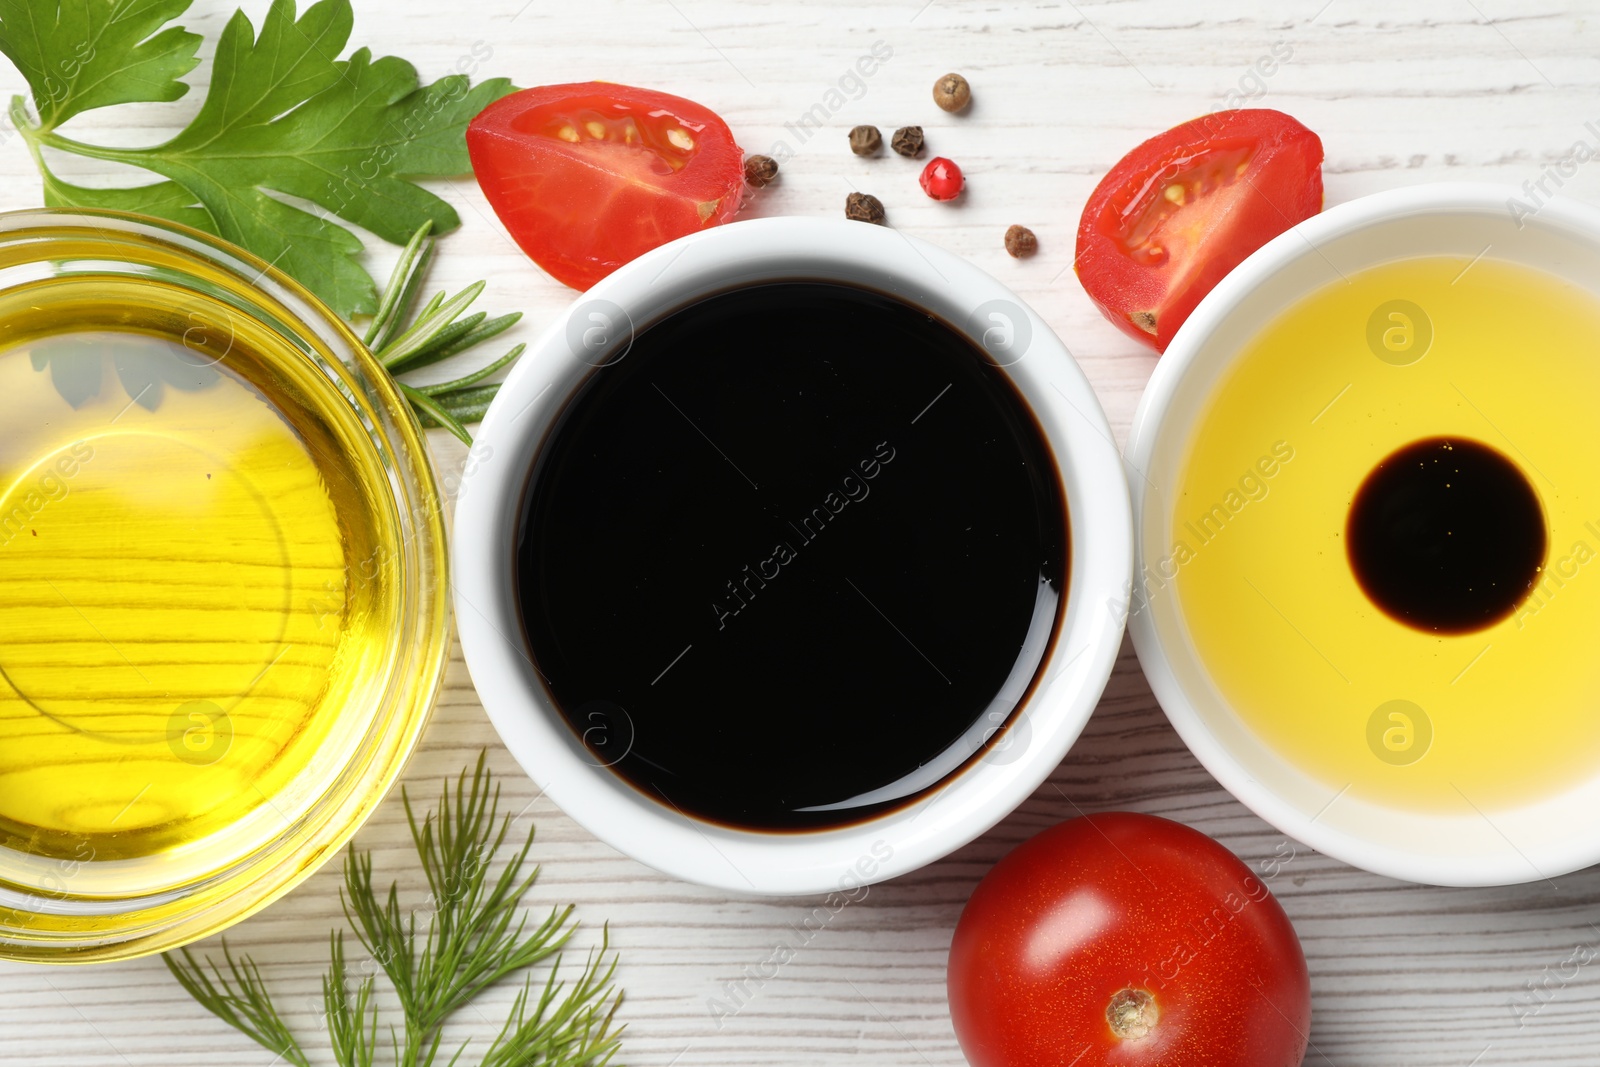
282	116
473	938
283	123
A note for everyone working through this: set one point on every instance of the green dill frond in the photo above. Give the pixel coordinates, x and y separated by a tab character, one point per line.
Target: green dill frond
468	935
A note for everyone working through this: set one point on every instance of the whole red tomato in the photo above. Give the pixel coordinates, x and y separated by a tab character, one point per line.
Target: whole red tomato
1127	940
589	176
1183	209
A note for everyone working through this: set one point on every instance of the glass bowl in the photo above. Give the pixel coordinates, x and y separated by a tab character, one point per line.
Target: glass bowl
222	585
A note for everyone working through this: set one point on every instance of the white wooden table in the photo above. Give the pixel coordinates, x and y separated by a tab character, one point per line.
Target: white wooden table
1401	93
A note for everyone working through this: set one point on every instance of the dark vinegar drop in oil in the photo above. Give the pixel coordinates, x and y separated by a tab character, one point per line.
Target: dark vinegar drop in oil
1446	535
794	558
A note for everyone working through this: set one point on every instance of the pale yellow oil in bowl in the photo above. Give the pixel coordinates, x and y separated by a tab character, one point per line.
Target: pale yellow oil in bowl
222	598
177	632
1496	352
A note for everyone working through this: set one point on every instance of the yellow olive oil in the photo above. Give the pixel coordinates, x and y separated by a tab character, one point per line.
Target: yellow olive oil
192	567
1460	375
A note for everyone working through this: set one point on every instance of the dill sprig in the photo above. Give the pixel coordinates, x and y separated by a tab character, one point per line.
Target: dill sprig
472	936
436	333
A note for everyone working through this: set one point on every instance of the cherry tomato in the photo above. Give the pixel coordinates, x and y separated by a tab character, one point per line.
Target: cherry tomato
1127	940
1183	209
589	176
941	179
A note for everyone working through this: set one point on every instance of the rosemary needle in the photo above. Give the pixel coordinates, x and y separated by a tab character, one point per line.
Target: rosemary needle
440	330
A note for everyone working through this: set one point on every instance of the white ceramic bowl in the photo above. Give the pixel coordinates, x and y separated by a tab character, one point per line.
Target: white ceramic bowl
1467	847
963	805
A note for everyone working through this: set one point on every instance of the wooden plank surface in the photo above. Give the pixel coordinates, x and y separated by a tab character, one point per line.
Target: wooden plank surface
1401	93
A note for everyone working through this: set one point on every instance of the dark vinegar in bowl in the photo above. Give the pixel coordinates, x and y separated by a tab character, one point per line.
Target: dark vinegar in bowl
793	557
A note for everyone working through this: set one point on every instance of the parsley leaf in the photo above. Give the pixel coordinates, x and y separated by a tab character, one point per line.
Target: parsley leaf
284	123
167	200
97	52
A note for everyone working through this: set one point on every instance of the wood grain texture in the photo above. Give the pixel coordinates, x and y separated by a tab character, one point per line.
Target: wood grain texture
1401	93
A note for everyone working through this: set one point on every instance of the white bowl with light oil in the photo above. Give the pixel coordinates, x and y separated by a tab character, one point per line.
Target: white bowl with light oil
1367	502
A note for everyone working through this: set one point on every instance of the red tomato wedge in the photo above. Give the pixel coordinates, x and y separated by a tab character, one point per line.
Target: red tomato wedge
590	175
1183	209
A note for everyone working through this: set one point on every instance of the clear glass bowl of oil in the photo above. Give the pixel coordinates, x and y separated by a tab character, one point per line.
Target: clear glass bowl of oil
222	585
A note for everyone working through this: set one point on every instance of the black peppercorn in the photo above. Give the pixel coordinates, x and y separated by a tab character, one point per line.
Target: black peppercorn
759	170
864	207
1020	242
907	140
952	93
865	140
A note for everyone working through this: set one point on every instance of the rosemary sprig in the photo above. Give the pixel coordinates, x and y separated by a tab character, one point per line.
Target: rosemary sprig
438	332
474	937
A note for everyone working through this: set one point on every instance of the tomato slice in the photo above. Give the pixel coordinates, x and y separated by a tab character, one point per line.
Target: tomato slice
588	176
1183	209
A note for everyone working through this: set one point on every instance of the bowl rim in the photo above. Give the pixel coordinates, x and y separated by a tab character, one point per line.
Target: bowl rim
1485	199
967	802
